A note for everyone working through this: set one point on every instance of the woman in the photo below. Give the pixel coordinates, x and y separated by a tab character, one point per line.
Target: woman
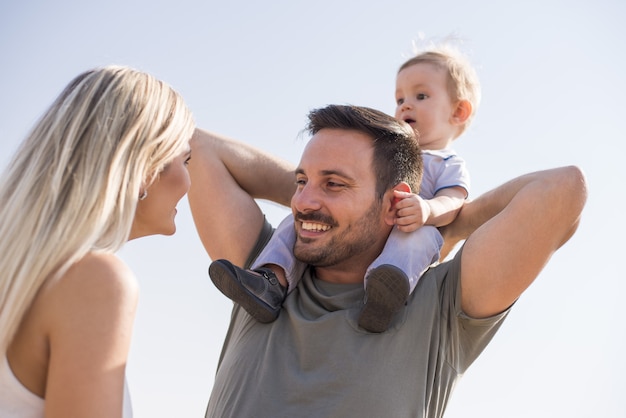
105	164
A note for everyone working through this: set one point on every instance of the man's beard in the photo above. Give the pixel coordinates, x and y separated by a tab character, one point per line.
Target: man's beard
355	240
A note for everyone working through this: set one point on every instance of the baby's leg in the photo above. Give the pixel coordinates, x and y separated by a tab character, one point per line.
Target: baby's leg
262	290
278	255
411	252
394	274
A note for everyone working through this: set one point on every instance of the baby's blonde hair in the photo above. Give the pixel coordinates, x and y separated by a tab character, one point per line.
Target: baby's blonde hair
73	185
463	81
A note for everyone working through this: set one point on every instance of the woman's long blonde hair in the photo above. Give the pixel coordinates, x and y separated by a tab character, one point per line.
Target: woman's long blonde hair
73	185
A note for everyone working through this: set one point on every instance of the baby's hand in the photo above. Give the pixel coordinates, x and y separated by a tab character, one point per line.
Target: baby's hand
412	211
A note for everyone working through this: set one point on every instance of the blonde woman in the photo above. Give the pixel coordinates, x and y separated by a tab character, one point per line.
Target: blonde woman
105	164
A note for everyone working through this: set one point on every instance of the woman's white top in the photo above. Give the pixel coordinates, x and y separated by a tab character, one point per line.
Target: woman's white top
18	402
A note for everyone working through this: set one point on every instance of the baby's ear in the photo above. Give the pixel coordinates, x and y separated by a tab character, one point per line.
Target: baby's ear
462	112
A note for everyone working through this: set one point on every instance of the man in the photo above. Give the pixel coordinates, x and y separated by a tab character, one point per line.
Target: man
314	360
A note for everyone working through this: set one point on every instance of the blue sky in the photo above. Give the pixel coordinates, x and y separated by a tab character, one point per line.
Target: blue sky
553	94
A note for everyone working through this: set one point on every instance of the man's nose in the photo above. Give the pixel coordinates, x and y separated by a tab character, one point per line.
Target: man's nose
306	199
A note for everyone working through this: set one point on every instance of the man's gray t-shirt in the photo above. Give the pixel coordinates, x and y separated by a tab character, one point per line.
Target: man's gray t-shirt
314	360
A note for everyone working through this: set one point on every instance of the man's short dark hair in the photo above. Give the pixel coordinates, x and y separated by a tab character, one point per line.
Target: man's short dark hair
397	156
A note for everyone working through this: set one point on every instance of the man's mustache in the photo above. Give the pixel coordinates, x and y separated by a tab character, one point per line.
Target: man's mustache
315	217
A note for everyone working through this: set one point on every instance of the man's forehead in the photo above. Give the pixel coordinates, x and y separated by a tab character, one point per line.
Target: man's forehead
337	150
336	140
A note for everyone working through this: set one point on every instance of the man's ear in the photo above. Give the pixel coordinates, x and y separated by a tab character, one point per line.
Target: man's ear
462	112
392	199
403	186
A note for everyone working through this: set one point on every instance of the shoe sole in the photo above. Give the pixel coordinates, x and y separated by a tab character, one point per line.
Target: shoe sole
385	294
222	276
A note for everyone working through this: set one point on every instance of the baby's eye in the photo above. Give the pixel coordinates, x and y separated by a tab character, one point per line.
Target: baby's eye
399	101
422	96
187	160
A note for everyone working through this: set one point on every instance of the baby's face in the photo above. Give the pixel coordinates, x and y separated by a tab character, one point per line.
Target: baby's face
423	101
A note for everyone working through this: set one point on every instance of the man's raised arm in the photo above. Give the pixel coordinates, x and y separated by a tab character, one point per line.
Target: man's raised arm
512	231
226	177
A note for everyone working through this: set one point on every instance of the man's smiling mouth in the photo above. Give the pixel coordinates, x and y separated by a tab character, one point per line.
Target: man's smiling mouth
312	226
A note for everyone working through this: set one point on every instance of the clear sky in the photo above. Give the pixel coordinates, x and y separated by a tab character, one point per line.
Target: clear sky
554	92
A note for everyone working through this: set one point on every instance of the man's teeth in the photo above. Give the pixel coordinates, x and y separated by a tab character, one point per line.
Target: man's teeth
310	226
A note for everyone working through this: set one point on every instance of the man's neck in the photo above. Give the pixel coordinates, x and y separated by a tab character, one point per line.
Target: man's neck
344	273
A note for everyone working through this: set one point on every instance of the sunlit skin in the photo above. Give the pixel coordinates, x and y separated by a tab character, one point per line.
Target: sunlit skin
156	213
340	225
424	102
